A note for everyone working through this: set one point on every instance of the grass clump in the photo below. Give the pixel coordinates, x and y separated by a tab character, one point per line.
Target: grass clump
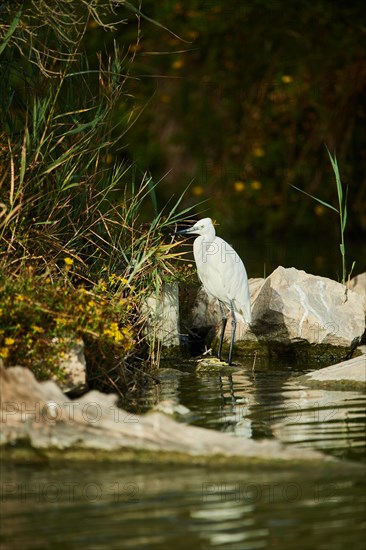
82	239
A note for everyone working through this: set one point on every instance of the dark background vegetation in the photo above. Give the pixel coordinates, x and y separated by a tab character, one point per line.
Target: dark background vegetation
237	102
241	106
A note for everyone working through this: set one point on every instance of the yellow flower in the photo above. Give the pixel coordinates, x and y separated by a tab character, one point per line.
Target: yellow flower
68	261
122	280
239	186
258	152
256	185
102	285
93	24
177	64
91	303
36	328
9	341
113	332
319	209
192	35
197	190
4	353
287	79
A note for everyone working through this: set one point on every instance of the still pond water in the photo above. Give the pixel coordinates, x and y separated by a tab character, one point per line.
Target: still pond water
162	507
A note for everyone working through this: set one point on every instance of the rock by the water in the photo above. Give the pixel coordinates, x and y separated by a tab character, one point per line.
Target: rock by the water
162	316
293	306
353	370
206	311
38	421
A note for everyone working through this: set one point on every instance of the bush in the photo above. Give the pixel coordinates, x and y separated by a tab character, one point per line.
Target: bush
76	257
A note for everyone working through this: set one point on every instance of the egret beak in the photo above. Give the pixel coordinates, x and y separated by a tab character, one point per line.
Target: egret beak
182	231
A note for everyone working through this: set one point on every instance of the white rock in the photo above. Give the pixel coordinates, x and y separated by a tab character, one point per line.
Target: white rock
293	305
73	366
255	286
162	316
93	428
353	370
206	311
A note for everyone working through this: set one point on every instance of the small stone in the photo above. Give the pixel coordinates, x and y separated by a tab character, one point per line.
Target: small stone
73	366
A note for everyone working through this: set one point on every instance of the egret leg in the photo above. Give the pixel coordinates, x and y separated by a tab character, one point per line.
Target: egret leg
223	326
233	329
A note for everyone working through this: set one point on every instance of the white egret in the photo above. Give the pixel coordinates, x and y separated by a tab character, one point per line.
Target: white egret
222	274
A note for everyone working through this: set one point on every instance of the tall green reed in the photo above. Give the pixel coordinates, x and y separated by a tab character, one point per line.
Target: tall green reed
341	211
68	193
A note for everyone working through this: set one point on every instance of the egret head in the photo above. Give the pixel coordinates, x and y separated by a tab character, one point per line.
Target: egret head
203	227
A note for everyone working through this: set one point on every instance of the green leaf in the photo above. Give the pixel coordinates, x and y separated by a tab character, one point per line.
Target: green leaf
341	246
11	30
344	218
316	199
334	163
23	158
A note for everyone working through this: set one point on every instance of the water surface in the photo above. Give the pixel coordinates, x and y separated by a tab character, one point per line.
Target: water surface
150	507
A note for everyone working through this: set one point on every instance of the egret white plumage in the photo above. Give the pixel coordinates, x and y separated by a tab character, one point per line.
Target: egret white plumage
222	274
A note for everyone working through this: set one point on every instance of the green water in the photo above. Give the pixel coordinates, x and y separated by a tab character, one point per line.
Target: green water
121	507
166	507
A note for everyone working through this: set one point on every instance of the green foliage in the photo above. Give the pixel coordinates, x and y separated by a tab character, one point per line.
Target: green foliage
341	211
77	257
39	319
